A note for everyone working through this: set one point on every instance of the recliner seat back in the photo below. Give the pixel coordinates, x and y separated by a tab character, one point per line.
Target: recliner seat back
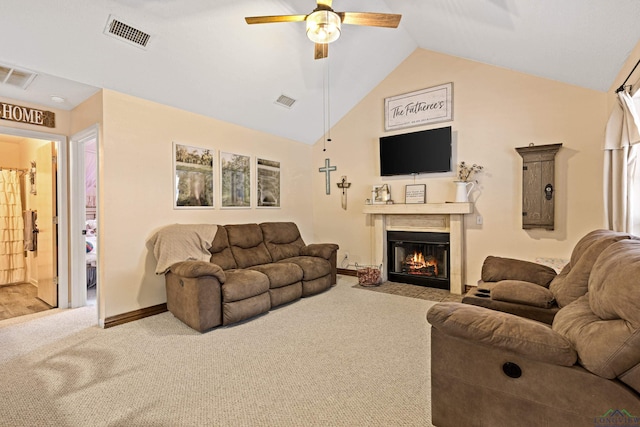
604	325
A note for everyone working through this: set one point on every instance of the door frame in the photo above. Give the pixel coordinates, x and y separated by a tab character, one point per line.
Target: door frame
77	203
62	264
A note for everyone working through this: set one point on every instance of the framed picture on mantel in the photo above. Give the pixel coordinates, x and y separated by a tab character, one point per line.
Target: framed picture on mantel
415	193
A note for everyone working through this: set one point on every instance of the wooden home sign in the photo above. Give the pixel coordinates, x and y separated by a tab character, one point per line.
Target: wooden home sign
17	113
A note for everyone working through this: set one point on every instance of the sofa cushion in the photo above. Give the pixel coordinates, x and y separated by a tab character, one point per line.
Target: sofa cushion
282	239
573	280
520	292
505	331
243	284
237	311
312	267
280	273
315	286
247	246
607	348
221	251
495	269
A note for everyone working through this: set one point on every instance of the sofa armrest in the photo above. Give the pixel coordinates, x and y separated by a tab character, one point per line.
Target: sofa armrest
525	337
520	292
322	250
194	269
495	269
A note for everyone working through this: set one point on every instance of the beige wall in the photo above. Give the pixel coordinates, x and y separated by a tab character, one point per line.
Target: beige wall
136	180
495	111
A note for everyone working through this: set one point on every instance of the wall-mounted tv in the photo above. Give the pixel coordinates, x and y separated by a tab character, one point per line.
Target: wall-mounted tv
427	151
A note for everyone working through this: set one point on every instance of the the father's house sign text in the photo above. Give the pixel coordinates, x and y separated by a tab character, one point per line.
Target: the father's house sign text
431	105
17	113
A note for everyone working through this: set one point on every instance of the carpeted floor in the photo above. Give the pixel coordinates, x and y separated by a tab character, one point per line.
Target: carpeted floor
346	357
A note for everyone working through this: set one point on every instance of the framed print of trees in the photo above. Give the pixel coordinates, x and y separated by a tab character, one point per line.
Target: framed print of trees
268	183
193	177
235	180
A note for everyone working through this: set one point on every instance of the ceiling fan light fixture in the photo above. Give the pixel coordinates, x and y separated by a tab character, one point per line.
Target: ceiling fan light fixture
323	26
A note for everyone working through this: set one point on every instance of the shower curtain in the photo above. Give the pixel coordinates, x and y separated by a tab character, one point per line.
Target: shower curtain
12	265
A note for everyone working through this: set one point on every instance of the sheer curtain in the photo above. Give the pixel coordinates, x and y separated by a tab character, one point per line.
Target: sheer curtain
12	266
621	172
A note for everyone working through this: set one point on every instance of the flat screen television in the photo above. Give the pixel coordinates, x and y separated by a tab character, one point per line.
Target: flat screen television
427	151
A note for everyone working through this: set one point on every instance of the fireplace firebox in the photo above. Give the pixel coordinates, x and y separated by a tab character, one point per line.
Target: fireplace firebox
418	258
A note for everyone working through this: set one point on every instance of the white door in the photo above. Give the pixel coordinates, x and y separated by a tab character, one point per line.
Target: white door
47	255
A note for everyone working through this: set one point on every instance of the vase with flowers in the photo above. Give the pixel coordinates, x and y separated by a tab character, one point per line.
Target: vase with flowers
465	184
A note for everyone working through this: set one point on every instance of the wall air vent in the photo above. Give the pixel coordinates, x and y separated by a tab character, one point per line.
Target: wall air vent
285	101
14	77
118	29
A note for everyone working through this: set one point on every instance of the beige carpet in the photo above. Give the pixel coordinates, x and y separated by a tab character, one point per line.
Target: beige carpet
342	358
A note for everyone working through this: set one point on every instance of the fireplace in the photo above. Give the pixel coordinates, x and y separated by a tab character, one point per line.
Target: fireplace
419	258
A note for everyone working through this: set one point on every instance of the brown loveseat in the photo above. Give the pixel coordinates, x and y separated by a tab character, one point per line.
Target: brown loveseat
535	291
252	268
490	368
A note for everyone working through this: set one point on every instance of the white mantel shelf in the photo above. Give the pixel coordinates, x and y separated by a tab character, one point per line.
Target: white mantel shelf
420	209
430	217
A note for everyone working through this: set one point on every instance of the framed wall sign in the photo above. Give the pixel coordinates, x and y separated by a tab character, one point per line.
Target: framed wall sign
235	180
431	105
415	193
193	177
268	183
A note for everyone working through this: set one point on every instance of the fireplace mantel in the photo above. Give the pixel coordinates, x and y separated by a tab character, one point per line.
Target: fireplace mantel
420	209
434	217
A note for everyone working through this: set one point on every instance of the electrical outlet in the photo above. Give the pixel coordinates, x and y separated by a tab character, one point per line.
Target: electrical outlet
479	220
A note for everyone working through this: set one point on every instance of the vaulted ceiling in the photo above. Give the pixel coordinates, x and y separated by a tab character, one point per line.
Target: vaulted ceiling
203	57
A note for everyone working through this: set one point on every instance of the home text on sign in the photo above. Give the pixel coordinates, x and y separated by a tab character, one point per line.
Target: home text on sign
16	113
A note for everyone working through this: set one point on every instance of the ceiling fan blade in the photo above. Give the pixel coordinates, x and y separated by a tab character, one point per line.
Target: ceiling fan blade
321	51
388	20
325	3
272	19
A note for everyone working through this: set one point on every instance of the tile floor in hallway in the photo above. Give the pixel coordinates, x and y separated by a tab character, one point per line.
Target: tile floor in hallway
19	300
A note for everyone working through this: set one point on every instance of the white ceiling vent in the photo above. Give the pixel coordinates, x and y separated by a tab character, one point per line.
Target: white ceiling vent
118	29
285	101
14	77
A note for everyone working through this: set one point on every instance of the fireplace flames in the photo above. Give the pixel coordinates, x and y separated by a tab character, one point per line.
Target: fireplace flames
419	265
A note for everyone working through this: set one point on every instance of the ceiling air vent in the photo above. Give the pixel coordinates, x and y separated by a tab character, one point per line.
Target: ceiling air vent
126	33
285	101
14	77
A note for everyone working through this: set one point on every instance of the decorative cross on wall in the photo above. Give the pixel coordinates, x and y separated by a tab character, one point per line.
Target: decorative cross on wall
327	170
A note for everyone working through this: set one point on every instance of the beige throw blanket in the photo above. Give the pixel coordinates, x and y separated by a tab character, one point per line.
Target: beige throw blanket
182	242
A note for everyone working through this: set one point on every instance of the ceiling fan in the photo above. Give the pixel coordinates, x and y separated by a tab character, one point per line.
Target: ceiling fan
323	24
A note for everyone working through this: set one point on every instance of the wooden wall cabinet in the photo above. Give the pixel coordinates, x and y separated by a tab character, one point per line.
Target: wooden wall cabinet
538	185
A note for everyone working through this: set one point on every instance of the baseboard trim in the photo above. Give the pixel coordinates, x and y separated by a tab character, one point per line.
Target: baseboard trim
134	315
347	272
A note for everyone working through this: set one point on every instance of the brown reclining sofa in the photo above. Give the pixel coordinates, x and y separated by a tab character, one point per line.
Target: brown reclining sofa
252	268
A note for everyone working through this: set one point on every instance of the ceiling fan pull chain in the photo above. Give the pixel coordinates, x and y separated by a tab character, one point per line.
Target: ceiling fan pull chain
328	100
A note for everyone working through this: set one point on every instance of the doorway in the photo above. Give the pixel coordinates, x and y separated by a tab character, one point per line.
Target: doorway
50	151
84	218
